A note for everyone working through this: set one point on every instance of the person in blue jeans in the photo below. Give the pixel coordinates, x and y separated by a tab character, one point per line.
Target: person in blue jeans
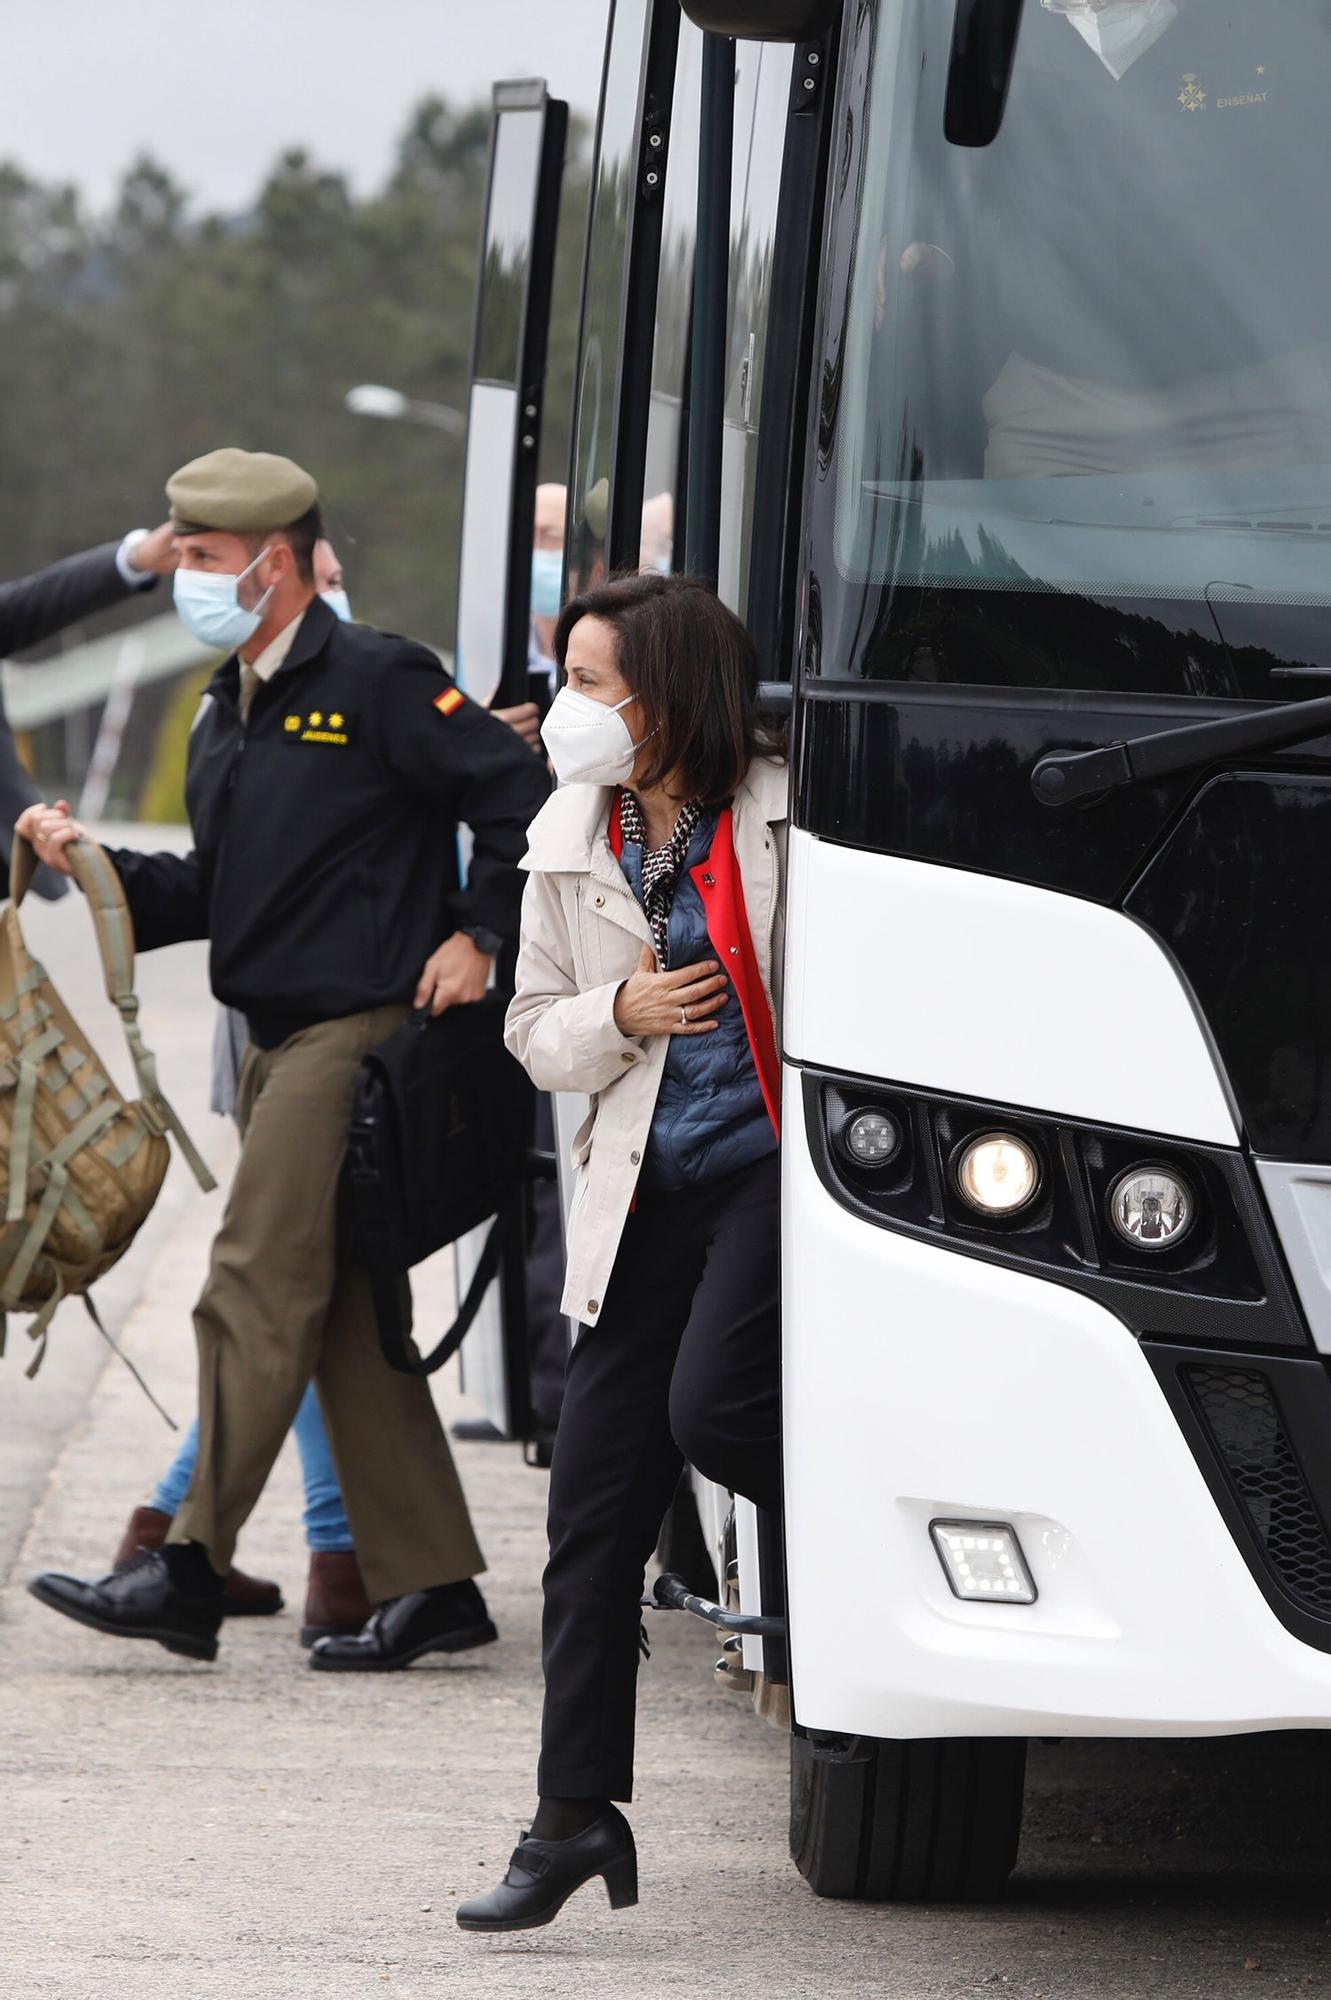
327	1529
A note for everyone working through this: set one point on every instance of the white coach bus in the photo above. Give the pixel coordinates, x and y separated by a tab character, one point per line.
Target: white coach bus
982	352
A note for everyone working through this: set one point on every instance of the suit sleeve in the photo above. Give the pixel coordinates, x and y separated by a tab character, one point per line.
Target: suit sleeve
36	607
165	892
478	771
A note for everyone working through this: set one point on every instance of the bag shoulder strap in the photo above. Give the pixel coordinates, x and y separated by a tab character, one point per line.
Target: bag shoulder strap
105	898
393	1313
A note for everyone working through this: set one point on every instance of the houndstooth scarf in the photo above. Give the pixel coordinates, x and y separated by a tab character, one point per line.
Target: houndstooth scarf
661	866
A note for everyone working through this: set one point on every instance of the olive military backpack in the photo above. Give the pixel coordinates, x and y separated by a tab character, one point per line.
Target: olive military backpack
80	1166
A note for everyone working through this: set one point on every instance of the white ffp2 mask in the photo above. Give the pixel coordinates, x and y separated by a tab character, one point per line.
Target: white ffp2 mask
587	741
1118	30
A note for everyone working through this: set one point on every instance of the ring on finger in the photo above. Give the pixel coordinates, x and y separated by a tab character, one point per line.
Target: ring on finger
684	1016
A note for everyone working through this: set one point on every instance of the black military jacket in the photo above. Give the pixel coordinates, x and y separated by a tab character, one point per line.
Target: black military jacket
325	866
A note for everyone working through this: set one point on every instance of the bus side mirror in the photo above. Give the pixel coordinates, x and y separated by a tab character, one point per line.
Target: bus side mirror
984	46
765	20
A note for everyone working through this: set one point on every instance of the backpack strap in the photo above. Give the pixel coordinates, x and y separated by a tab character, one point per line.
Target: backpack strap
105	898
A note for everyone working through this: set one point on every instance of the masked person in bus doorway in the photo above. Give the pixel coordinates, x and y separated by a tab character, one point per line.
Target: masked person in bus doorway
647	977
327	773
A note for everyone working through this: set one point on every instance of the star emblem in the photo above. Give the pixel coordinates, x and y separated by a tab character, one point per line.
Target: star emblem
316	720
336	721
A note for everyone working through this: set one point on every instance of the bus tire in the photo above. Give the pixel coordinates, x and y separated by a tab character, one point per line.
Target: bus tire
933	1821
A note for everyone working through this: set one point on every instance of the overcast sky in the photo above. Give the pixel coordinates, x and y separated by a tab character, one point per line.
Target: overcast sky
216	94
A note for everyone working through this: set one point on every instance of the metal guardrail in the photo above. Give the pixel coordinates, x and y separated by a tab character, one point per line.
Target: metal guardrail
83	677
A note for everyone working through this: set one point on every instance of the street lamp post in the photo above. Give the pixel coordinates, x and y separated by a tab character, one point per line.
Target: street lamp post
374	399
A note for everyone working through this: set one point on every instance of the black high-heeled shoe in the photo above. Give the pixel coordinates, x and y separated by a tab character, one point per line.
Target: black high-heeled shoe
543	1874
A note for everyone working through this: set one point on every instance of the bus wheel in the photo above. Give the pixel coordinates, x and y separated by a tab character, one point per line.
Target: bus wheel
934	1821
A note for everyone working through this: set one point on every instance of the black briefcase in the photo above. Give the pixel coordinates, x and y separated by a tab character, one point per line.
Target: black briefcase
440	1129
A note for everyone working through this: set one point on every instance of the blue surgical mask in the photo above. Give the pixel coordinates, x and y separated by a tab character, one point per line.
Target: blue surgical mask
338	603
210	609
547	582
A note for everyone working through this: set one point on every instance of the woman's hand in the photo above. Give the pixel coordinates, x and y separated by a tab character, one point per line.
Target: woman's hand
670	1003
50	830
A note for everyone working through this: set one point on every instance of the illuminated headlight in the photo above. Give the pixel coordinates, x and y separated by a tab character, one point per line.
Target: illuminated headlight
982	1561
998	1173
871	1138
1151	1208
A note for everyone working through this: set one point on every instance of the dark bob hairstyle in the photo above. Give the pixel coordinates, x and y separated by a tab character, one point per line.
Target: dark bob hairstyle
693	667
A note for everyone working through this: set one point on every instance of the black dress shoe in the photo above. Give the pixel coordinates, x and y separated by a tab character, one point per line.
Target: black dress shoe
138	1602
543	1874
448	1619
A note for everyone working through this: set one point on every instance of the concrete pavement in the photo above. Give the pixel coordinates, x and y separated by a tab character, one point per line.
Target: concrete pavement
255	1830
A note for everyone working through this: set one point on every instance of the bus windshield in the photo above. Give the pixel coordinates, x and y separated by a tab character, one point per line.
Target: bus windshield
1094	356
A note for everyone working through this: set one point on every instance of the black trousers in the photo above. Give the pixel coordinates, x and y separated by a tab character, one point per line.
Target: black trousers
683	1363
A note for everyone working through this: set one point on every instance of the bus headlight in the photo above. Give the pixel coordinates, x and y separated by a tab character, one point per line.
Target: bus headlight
871	1138
1151	1208
998	1173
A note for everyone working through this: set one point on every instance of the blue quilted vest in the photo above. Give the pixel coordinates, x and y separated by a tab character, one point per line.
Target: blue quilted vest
710	1118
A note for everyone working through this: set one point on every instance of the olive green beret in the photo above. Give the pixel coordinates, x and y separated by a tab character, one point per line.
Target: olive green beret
239	492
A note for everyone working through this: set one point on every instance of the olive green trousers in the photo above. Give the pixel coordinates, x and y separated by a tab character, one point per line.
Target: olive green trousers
279	1308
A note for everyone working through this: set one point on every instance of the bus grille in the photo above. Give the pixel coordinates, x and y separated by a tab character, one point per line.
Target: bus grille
1238	1409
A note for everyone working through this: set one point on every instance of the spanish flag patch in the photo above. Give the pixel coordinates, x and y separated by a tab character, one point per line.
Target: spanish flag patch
450	699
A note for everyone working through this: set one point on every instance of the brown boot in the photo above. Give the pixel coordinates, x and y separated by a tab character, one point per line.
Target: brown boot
335	1600
148	1529
244	1596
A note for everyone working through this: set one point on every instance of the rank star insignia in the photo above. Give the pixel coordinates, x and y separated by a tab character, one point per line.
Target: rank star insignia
449	701
1192	97
334	721
316	720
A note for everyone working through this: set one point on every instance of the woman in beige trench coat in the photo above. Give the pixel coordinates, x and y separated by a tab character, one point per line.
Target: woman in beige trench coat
648	978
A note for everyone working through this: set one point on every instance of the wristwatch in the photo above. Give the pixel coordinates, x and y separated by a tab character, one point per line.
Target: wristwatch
484	940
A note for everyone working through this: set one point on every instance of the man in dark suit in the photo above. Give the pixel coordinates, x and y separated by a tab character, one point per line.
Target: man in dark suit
36	607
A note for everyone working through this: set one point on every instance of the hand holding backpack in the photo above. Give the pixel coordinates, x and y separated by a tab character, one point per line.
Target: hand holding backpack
80	1166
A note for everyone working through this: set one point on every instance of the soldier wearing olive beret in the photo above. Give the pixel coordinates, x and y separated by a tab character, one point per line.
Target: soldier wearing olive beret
328	770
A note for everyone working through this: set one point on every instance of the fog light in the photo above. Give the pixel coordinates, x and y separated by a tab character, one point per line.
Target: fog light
871	1138
1151	1208
998	1173
982	1561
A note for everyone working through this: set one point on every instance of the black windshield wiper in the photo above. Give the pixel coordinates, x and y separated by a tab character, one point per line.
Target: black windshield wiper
1074	776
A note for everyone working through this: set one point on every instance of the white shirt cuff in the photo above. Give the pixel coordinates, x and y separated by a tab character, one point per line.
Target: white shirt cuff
137	579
